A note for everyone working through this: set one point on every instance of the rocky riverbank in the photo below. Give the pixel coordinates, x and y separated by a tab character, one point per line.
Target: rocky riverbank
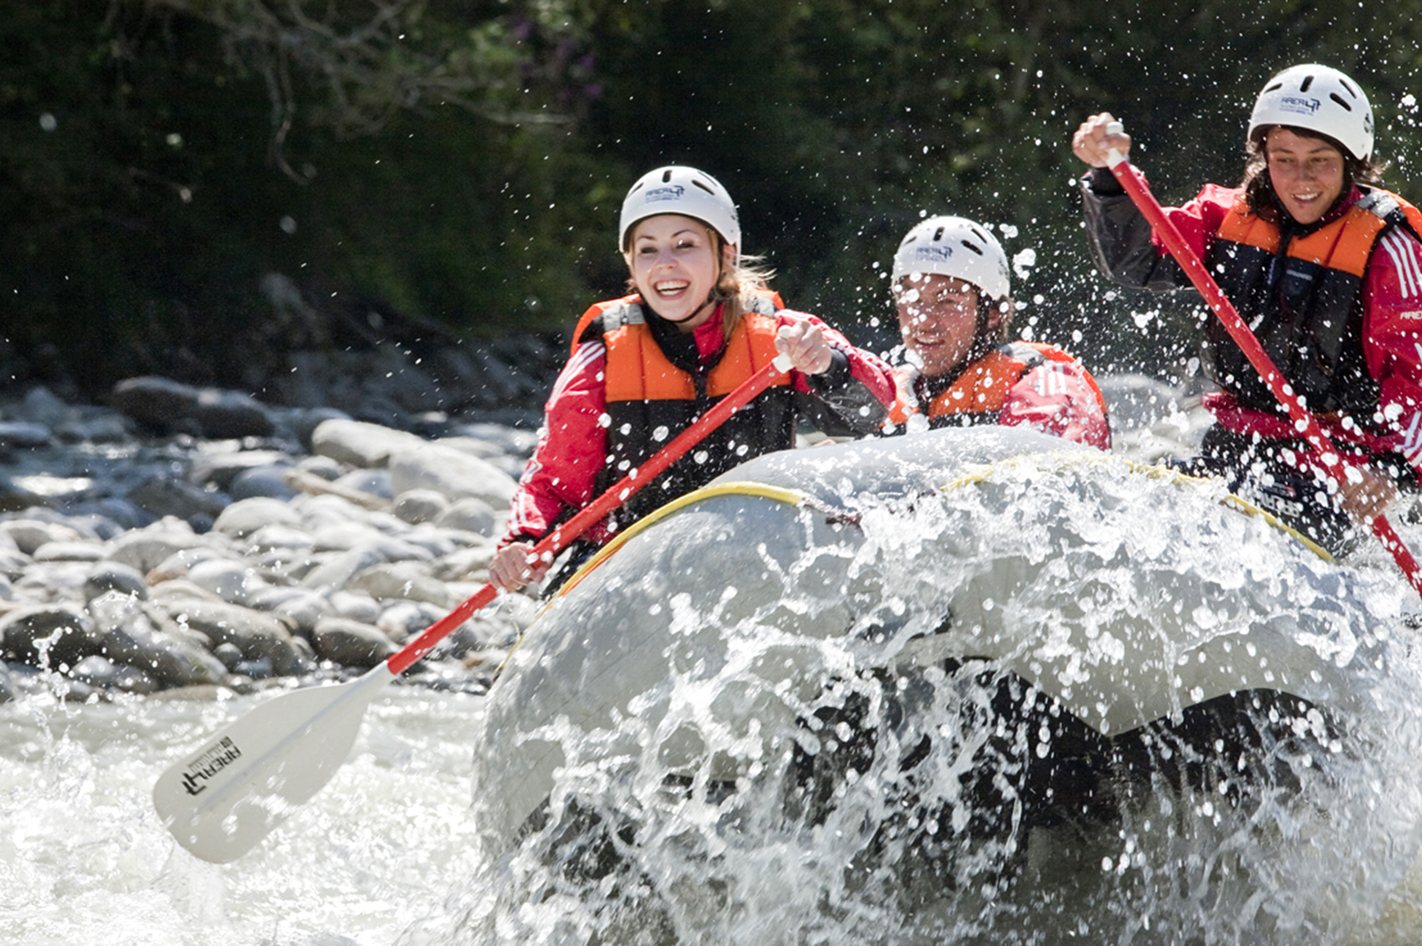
178	541
182	542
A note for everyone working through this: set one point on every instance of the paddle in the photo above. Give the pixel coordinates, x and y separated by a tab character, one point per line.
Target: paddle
1304	421
224	798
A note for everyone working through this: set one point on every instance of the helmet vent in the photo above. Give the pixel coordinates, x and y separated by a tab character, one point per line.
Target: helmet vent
1273	86
666	175
1339	99
1308	81
702	186
975	248
1351	91
937	234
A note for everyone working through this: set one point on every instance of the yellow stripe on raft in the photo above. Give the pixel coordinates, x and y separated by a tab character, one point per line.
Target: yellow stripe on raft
779	493
1157	471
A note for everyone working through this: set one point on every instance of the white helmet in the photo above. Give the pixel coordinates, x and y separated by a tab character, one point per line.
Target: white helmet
1317	98
680	190
953	246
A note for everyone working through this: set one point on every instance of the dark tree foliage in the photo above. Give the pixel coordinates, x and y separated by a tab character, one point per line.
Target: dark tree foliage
199	187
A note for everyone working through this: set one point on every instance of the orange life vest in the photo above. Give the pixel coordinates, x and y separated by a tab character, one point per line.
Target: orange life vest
638	369
598	308
650	400
980	392
1304	306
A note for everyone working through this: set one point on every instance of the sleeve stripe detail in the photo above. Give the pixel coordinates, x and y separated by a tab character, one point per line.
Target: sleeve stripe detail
1412	439
1403	252
587	353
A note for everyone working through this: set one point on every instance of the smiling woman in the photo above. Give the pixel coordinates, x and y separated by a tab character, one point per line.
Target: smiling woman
1323	266
1306	173
699	322
674	267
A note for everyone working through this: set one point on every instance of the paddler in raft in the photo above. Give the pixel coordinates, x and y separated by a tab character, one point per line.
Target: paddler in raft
698	321
1325	267
953	295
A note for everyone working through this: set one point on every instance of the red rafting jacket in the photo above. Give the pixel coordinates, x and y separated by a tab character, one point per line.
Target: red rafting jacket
1391	329
572	449
1020	383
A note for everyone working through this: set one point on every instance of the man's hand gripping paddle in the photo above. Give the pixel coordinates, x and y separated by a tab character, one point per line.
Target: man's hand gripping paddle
1304	421
225	797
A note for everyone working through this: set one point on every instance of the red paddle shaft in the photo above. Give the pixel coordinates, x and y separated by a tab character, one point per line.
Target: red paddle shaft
1304	421
561	537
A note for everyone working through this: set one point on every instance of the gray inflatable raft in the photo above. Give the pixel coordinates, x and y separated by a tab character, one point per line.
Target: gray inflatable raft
701	645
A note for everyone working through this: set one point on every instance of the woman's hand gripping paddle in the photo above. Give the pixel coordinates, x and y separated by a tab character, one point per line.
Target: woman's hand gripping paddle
1304	421
221	800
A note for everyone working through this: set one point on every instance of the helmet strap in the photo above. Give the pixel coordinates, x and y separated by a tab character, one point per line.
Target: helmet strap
982	341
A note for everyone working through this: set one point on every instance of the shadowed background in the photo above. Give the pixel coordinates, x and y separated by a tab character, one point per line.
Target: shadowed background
221	191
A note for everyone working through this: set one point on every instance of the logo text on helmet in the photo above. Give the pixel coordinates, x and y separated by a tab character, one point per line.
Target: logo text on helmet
1299	105
671	192
933	253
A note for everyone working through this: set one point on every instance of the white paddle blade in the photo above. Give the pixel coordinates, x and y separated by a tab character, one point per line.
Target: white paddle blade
223	799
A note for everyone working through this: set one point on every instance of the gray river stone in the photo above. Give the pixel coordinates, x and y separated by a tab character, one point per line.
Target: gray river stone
469	514
43	406
13	562
374	483
162	495
246	516
355	605
62	551
298	607
232	580
181	562
221	468
337	571
146	548
470	564
351	643
28	535
169	406
146	637
402	620
102	673
450	472
407	581
257	481
359	443
24	434
256	634
109	576
277	535
48	635
420	505
155	401
221	413
324	467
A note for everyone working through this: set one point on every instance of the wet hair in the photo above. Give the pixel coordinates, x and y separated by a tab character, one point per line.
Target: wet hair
1006	310
737	282
1259	189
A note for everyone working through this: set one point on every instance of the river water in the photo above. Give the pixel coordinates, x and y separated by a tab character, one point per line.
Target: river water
83	858
385	854
389	853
